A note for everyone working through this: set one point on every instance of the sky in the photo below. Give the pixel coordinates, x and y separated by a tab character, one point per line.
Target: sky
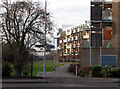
67	12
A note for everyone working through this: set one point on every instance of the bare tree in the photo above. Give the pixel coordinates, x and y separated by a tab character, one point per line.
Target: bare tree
22	24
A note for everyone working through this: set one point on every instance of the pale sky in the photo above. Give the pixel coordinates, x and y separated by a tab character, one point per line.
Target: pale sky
67	12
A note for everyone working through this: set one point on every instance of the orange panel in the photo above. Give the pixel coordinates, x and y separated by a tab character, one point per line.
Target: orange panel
107	34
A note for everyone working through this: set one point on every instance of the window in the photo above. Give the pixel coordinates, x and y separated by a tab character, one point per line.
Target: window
76	38
74	31
72	38
60	41
68	39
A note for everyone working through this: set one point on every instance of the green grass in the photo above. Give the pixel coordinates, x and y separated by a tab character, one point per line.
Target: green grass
38	66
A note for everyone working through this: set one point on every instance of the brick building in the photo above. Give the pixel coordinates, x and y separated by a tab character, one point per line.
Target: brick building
70	42
103	36
107	23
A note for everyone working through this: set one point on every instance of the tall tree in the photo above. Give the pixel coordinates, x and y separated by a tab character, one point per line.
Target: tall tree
22	25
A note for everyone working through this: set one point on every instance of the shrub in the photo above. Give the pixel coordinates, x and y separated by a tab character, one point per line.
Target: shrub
72	68
115	72
96	71
103	73
106	72
6	69
81	72
90	74
26	71
84	71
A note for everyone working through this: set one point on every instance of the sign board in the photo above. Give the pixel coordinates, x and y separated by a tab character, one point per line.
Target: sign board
47	46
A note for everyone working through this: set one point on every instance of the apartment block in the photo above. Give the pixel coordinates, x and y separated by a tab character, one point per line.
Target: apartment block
97	44
105	38
71	41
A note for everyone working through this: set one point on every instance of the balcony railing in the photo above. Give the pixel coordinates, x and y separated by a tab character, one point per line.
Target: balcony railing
65	41
107	15
69	46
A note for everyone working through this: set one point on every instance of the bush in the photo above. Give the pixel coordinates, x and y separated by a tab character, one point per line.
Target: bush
72	68
90	74
96	71
6	69
26	71
103	73
106	72
115	72
81	72
84	71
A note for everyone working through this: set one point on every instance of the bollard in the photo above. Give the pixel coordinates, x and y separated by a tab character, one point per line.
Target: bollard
76	71
54	66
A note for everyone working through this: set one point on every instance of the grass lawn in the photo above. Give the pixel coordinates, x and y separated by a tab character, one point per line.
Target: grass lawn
38	66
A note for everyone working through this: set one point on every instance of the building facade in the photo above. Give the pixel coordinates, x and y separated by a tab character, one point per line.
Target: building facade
98	44
70	42
106	23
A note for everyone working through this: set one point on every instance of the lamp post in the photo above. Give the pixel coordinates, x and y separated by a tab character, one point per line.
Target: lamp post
44	74
54	52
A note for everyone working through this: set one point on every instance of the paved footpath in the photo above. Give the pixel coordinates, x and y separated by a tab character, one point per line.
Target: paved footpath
60	72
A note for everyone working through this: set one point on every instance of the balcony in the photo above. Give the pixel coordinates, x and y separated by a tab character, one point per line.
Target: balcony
74	46
78	45
76	37
65	41
68	39
72	39
69	46
60	41
107	16
73	31
58	47
78	29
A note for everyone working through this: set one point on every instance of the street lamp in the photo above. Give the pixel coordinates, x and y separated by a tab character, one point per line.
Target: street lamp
44	74
54	51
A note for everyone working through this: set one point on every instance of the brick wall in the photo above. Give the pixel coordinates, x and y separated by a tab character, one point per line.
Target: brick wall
95	52
116	27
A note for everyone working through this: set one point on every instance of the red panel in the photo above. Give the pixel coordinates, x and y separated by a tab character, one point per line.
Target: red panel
107	34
